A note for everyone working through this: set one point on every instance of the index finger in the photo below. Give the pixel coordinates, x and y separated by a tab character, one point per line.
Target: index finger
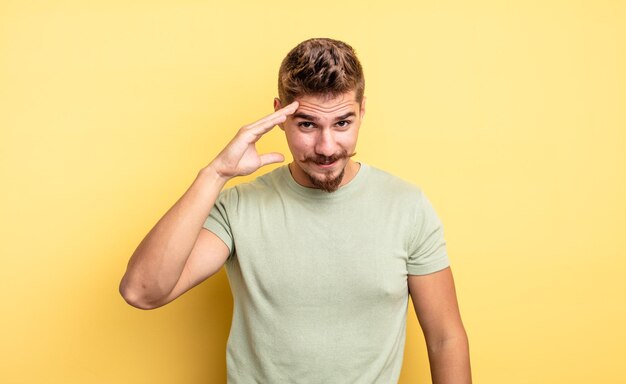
269	121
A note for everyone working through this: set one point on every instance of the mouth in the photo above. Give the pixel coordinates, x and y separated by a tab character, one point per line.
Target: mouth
325	164
324	160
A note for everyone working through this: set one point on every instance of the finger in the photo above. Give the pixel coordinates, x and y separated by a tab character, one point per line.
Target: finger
291	107
270	158
277	117
254	132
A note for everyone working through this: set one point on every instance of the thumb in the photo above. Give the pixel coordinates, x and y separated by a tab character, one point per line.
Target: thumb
270	158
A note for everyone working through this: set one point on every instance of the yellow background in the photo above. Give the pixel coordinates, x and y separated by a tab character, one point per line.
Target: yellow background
510	115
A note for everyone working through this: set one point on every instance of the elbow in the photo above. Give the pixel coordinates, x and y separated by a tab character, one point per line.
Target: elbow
134	296
457	341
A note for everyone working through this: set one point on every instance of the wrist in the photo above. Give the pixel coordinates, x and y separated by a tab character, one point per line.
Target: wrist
212	175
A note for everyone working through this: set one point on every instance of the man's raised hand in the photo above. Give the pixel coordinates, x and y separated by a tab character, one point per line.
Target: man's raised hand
240	156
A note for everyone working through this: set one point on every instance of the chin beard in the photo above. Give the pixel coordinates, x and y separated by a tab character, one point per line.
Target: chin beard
328	183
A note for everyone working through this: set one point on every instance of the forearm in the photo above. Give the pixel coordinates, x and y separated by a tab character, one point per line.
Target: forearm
157	264
159	261
449	360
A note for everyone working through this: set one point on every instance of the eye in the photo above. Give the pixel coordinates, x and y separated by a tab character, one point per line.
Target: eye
306	125
343	123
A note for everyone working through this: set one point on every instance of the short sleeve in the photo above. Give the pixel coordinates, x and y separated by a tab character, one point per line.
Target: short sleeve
427	249
218	220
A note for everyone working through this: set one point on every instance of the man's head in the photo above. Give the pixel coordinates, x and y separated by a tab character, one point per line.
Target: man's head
326	79
320	67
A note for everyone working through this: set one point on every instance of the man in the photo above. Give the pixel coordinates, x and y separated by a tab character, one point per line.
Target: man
321	254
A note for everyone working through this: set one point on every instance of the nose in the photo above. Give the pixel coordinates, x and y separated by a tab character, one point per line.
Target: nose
326	144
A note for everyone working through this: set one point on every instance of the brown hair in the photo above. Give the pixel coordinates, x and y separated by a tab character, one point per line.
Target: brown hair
320	66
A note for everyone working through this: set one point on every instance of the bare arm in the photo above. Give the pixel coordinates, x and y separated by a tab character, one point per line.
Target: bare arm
178	253
437	310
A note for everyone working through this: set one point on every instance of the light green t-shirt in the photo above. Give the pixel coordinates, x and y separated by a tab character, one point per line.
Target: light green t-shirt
319	279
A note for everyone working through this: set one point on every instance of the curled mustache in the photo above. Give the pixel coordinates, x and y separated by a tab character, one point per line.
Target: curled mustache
321	159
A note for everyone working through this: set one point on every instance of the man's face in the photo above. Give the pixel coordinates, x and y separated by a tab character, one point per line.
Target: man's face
322	135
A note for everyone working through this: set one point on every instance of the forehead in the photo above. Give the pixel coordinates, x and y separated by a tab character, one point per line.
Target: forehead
323	105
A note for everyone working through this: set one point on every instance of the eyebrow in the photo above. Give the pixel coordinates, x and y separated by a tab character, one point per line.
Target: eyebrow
304	116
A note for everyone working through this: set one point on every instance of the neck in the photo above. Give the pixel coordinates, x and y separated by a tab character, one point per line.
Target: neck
352	168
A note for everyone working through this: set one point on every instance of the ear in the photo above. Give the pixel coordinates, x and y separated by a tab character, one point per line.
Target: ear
363	107
278	105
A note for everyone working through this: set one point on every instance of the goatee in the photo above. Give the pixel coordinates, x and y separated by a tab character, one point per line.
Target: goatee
328	183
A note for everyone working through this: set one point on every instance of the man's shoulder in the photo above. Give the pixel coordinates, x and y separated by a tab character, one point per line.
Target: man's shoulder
385	181
269	182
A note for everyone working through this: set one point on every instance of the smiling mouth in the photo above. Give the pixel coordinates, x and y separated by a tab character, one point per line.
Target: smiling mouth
326	162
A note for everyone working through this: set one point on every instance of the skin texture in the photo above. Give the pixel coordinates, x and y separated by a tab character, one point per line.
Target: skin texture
321	135
436	307
178	253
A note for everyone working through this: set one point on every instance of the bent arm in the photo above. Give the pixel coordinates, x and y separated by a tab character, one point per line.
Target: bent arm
177	253
435	302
